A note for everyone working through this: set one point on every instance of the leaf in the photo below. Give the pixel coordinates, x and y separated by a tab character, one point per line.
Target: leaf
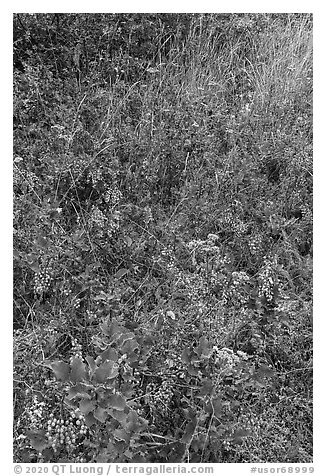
121	435
239	434
128	240
218	407
86	406
265	371
110	354
90	420
186	356
61	370
38	439
122	272
133	422
117	415
42	242
207	388
91	363
117	402
106	371
100	414
16	254
203	348
78	370
78	390
189	431
129	345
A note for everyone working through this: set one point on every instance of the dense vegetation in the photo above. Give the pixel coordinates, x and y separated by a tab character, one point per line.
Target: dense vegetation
163	237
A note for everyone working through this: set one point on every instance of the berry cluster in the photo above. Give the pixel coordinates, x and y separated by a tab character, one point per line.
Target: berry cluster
175	366
67	433
76	302
36	413
159	398
42	279
66	292
76	349
91	316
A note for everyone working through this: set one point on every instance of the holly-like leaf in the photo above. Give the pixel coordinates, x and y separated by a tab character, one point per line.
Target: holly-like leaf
118	415
107	370
91	363
121	435
100	414
86	406
78	390
117	402
110	354
129	346
61	370
90	420
78	370
38	439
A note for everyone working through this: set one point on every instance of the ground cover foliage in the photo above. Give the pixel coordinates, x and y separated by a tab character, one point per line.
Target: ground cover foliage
162	183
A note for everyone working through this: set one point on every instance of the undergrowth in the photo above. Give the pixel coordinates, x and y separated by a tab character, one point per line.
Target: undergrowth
162	183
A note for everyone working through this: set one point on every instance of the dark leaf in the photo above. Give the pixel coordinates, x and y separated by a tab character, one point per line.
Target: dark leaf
78	370
38	439
117	402
61	370
107	370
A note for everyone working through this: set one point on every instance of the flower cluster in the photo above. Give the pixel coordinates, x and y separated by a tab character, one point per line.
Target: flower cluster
237	290
226	360
231	223
307	215
167	258
267	281
25	179
112	196
97	218
255	243
43	278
